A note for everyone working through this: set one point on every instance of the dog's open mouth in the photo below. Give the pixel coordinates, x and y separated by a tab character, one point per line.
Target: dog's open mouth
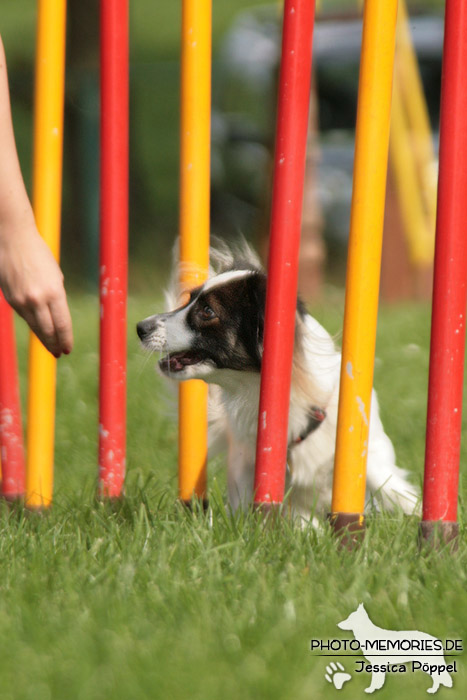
178	361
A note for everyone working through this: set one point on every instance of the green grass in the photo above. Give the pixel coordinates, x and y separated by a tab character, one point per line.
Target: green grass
144	600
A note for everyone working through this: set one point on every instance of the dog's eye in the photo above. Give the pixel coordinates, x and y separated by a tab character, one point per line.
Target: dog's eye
207	313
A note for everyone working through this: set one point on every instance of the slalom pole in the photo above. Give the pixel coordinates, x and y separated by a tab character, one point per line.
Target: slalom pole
411	149
446	374
364	262
419	235
281	296
11	429
194	226
113	271
47	190
418	118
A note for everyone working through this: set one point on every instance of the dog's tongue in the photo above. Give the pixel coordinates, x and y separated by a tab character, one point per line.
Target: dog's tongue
177	362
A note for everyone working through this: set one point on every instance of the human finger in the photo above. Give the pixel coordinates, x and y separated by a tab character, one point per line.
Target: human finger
42	325
61	319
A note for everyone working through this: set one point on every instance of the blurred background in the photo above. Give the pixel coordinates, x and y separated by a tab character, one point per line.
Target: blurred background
246	51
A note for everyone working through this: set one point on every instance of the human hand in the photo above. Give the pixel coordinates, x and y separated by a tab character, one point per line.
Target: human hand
32	283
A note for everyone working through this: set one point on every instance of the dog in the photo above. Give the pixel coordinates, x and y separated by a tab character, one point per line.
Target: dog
375	643
217	336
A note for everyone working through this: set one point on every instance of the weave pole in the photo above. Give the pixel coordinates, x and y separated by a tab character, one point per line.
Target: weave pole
417	116
194	226
281	295
113	273
411	149
47	190
450	287
11	430
364	262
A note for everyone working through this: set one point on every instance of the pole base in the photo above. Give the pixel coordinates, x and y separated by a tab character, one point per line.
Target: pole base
189	503
12	497
439	533
34	511
271	513
102	497
348	527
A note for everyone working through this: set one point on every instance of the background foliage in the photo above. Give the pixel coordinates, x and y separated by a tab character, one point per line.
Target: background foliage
155	29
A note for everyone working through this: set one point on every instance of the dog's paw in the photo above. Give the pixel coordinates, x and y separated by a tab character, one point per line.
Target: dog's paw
335	674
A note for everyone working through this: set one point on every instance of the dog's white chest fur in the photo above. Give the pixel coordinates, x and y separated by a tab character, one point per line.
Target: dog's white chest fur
234	416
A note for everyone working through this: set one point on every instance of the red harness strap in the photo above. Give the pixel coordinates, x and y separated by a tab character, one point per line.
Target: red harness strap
316	416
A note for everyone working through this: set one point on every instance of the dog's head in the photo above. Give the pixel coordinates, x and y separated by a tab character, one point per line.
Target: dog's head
220	327
355	620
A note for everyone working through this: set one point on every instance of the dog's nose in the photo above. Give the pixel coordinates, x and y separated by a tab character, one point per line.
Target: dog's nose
144	328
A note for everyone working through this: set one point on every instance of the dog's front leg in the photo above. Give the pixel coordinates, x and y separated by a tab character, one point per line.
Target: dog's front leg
240	475
377	681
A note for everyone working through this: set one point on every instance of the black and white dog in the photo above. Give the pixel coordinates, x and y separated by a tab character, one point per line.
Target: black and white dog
217	336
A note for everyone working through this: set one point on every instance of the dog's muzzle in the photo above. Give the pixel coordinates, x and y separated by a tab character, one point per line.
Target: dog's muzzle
152	332
145	329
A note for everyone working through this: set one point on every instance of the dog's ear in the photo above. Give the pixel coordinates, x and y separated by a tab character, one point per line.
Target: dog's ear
301	308
256	285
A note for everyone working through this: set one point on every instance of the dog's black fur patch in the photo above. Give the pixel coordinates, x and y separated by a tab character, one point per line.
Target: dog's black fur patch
239	317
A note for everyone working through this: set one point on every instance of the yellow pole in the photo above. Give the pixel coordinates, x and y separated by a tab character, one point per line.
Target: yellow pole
420	236
364	258
413	97
47	186
194	224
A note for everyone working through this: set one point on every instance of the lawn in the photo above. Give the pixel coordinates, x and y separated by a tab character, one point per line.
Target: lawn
145	600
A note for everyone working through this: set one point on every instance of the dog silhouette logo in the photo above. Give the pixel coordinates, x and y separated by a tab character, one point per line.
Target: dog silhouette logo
411	650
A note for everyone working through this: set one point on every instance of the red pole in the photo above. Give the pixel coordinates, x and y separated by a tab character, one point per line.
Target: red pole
11	430
113	245
450	287
281	296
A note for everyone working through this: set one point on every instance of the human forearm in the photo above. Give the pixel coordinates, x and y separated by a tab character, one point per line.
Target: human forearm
29	275
14	202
